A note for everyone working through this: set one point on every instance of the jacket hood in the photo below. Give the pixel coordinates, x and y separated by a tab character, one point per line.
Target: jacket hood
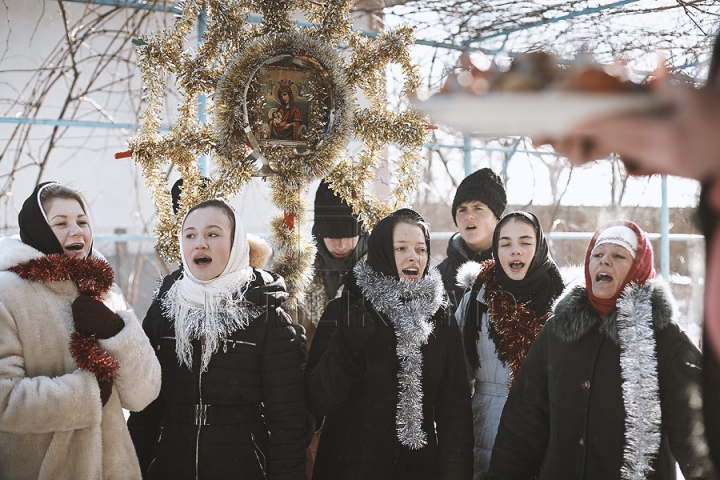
456	249
459	252
266	289
260	251
574	317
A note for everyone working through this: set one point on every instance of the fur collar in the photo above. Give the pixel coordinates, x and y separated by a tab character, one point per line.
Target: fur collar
92	276
61	274
467	273
574	317
13	252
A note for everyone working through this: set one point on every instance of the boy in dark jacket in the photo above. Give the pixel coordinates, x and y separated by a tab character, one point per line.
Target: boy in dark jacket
477	207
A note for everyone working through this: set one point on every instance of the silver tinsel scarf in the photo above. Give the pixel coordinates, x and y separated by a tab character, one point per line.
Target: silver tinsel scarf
641	394
212	322
409	305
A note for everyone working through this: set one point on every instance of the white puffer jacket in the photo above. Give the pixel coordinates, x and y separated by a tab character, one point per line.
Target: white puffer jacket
52	424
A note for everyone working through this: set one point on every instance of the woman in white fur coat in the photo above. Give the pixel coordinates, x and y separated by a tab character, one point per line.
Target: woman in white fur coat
72	352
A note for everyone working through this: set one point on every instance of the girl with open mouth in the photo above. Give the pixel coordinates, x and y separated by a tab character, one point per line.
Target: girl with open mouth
386	368
232	401
611	386
72	352
510	299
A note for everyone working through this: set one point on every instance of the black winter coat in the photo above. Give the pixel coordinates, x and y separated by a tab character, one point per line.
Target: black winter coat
565	411
254	421
458	253
358	395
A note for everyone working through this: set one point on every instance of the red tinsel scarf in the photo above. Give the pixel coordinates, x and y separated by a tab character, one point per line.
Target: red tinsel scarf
93	277
516	325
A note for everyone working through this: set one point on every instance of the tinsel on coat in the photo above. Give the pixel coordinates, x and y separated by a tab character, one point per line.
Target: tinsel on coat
513	325
409	305
631	325
641	391
93	277
211	322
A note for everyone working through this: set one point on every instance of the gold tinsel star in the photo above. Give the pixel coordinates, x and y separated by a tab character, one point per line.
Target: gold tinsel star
241	66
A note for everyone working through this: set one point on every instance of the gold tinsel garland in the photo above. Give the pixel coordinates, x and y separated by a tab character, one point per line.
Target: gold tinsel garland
223	67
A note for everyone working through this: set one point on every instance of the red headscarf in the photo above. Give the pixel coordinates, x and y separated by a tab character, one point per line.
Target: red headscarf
641	270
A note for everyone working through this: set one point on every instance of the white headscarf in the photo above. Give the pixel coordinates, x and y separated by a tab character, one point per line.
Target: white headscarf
619	235
211	309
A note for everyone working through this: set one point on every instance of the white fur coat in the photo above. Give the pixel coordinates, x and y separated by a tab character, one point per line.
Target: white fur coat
52	424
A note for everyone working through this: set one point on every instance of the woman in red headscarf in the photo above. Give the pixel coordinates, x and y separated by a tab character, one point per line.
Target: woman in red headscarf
611	386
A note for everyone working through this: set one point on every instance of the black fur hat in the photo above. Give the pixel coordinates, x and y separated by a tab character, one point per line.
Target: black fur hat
483	185
333	216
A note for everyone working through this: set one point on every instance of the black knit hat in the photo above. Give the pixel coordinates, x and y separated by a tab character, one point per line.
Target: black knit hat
333	216
483	185
175	192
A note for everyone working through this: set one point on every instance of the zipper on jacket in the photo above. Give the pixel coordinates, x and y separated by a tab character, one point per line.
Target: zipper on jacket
235	343
199	421
158	443
259	455
164	338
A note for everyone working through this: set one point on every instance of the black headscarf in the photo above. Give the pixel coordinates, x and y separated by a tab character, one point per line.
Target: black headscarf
539	288
539	265
34	228
381	254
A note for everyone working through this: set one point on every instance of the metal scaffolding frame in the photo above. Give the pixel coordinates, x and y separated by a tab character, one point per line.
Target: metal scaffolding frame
467	146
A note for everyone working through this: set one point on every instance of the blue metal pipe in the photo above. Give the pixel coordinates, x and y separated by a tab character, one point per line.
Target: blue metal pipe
491	149
513	151
467	149
665	231
135	126
155	7
202	101
59	122
548	21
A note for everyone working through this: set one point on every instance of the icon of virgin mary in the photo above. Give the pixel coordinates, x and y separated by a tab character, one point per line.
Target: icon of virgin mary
285	122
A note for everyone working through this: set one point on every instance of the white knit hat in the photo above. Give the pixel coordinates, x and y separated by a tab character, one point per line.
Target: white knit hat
619	235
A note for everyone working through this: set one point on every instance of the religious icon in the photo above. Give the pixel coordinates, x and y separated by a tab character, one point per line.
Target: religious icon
286	121
288	87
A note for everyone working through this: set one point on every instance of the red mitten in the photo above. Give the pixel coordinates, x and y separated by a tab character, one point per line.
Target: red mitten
105	391
93	317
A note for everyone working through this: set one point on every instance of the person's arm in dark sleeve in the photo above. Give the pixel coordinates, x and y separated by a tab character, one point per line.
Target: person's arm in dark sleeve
284	398
523	433
680	378
144	426
453	412
331	367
